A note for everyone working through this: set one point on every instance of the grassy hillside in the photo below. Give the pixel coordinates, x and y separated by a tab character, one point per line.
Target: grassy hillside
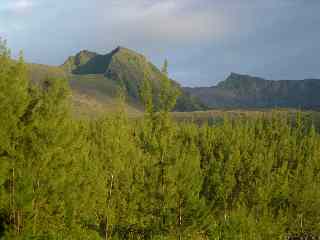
127	68
94	95
95	80
38	72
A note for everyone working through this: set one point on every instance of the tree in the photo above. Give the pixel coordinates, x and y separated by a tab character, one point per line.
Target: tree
168	92
14	101
37	152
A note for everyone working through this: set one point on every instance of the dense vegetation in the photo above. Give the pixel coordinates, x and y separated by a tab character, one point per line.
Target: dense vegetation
111	178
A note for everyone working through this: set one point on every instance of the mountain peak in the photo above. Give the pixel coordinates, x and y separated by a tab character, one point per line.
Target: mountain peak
127	52
117	49
85	52
233	74
120	48
237	81
87	62
83	56
122	67
238	76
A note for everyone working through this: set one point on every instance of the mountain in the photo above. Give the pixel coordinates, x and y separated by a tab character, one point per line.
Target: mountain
96	78
245	91
121	67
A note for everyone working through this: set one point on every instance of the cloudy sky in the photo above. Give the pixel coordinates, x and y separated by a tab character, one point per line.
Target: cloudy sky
204	40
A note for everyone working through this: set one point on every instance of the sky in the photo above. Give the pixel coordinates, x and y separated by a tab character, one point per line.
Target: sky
203	40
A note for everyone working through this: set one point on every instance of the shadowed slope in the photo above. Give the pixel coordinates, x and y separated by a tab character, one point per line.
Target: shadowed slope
251	92
121	67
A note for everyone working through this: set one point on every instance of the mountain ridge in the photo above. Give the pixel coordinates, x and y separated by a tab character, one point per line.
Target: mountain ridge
242	90
99	76
125	67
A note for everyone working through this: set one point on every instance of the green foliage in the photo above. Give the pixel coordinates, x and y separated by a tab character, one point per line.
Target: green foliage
154	178
168	93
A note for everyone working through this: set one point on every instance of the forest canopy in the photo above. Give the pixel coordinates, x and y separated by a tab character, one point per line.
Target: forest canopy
151	178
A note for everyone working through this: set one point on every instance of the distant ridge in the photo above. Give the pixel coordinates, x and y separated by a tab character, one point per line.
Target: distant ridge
98	77
245	91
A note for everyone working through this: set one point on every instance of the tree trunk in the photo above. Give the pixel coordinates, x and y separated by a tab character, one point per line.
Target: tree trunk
180	219
35	207
108	206
12	196
106	230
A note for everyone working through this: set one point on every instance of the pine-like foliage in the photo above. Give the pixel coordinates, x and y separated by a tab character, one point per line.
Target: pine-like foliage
149	178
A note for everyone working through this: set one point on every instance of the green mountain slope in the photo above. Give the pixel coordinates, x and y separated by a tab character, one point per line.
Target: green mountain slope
92	95
245	91
39	72
121	67
96	78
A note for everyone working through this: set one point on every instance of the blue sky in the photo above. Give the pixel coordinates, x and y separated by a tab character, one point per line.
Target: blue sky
204	40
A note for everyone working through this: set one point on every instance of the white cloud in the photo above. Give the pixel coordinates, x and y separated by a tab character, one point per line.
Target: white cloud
23	4
17	5
224	35
168	21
